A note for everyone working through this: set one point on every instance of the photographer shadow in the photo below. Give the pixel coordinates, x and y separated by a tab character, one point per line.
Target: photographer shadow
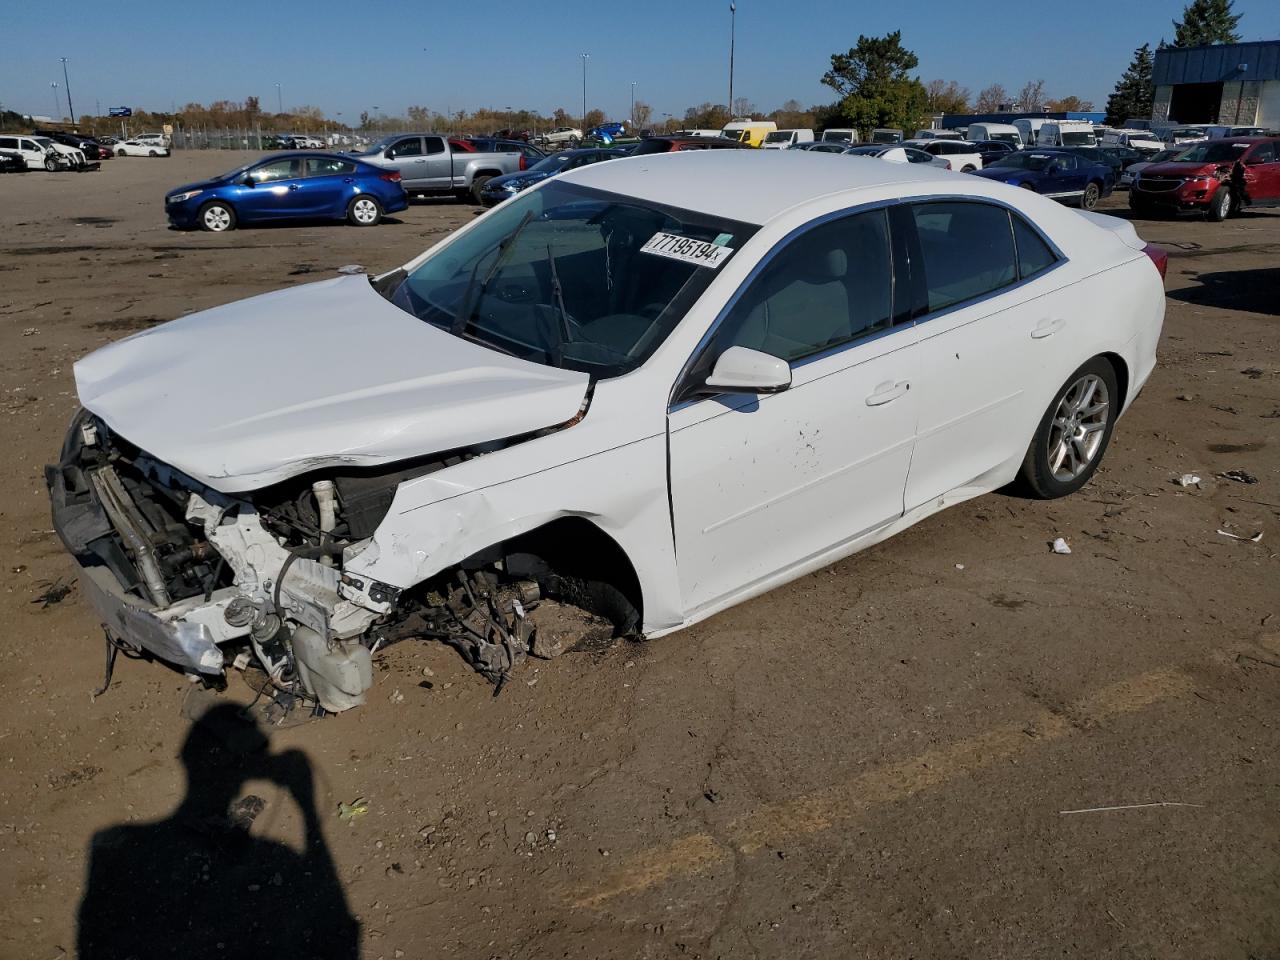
199	884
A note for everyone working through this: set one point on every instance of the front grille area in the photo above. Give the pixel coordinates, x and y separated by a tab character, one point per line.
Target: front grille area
1154	184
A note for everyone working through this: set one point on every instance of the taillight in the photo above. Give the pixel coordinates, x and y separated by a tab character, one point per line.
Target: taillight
392	175
1159	256
524	162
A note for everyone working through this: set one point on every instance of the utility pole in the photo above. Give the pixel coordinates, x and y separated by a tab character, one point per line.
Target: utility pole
279	100
633	103
70	109
733	26
56	106
585	58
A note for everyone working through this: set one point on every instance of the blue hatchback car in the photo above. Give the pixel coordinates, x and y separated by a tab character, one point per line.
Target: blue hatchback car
288	186
1059	174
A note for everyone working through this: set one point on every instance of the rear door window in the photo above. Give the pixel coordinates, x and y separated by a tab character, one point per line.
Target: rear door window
967	249
434	145
329	167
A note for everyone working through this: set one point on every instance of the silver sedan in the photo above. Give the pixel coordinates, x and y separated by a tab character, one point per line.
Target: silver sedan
898	154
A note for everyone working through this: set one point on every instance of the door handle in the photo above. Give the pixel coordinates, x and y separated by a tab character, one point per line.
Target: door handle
1047	328
420	161
348	179
293	186
887	392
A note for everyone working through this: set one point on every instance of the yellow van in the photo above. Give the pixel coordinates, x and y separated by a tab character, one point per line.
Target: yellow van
750	132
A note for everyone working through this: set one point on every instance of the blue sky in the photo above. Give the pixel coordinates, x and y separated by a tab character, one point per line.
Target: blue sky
350	56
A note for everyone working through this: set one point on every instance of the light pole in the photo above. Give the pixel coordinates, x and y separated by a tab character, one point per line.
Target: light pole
585	58
70	109
733	26
633	103
279	100
56	108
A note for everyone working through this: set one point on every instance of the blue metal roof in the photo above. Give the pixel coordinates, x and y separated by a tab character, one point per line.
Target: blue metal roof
1214	64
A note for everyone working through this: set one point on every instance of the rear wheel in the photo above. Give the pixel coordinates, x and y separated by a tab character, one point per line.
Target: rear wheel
50	164
477	188
152	153
1220	205
364	211
968	168
1073	433
216	217
1089	199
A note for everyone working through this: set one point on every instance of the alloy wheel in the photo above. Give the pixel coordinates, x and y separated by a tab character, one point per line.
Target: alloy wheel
1078	428
217	219
364	210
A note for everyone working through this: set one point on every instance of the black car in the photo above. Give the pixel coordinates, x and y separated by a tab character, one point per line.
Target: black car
1107	156
992	150
90	147
12	163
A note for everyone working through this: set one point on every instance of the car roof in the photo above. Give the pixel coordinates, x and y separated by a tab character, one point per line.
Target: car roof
752	186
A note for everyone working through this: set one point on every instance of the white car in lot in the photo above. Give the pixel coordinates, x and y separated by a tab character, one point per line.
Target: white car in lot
140	148
36	152
959	155
653	388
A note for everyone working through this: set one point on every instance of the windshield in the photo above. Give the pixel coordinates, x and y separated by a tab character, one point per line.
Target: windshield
573	277
864	151
1213	151
1165	155
739	135
1023	161
1005	138
1079	139
778	136
1185	133
552	164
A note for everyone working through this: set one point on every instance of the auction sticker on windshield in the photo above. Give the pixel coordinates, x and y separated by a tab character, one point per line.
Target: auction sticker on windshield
698	252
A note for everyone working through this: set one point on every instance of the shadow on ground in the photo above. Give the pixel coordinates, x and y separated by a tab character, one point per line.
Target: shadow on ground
1252	290
200	884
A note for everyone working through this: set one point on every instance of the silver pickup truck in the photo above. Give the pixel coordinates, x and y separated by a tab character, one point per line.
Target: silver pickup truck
429	164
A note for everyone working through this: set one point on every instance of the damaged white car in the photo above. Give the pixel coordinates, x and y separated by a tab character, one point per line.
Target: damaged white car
649	389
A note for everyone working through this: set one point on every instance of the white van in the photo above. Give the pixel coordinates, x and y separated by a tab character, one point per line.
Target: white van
785	139
33	153
938	135
1003	132
1029	128
1186	133
840	135
1067	133
1220	131
886	135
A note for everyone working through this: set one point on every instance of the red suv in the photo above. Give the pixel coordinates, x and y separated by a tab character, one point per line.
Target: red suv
1213	177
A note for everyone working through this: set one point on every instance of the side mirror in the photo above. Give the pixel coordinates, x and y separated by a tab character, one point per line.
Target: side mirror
248	180
743	370
1055	168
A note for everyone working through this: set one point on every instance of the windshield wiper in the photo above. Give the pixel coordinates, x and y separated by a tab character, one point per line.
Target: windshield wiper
563	331
471	296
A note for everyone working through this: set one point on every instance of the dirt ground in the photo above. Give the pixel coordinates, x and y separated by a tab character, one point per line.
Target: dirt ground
879	760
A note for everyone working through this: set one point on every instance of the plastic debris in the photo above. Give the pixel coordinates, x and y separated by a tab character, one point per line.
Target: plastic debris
1188	480
1256	538
1239	476
351	268
353	810
1060	546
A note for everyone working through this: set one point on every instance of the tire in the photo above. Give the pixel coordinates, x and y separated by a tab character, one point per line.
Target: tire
477	188
968	168
1089	199
152	153
1056	466
216	217
1027	186
364	211
50	164
1220	206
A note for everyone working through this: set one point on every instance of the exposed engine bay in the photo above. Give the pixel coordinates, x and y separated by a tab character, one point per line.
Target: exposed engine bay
207	580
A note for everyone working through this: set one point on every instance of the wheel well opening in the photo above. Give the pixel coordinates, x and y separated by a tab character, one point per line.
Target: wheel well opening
574	558
1122	376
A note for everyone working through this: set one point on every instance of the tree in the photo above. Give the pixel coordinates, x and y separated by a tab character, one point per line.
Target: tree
875	86
419	118
1031	96
1206	21
593	119
1134	91
946	96
642	115
1069	103
991	99
742	107
706	116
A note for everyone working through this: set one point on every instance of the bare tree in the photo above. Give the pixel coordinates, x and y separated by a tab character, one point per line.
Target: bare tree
947	96
990	99
1031	96
1068	103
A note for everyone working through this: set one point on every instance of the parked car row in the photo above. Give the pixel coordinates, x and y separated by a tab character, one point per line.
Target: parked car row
37	152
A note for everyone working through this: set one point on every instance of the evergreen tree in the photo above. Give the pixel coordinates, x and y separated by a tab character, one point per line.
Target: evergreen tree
875	85
1206	21
1134	92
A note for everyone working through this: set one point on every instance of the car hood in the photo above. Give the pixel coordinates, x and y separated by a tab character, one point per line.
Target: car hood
320	375
525	176
1174	168
1004	174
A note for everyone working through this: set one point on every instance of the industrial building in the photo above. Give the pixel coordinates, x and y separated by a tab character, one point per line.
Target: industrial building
1233	83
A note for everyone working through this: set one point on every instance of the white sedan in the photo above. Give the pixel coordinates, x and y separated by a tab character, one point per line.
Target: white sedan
653	388
958	154
138	148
